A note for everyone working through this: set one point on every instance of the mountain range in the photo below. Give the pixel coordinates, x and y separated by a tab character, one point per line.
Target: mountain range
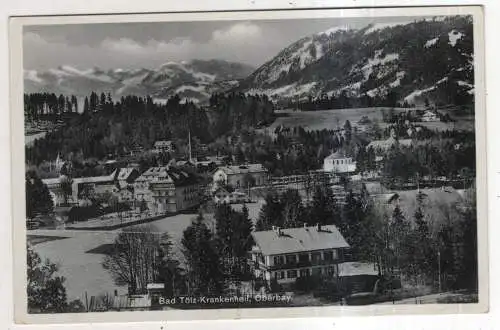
428	59
195	80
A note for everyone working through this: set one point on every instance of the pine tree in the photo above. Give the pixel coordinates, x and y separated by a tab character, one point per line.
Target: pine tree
270	214
86	106
399	231
46	291
234	235
38	199
356	225
293	210
468	258
323	209
74	103
421	251
205	274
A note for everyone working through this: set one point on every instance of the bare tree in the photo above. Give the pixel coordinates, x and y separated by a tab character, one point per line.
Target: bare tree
135	258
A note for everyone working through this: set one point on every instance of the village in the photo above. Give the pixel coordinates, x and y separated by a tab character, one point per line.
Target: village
170	195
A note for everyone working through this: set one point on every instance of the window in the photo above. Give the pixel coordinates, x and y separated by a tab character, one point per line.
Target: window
291	259
316	256
281	275
303	257
304	272
291	274
279	260
328	255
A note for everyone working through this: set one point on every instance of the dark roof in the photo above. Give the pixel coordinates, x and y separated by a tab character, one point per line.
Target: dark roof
177	176
181	177
293	240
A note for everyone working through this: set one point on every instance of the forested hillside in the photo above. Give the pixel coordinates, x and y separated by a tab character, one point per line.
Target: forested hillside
116	127
381	64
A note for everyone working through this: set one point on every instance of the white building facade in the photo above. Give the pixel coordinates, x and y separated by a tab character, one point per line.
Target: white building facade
241	176
286	254
339	163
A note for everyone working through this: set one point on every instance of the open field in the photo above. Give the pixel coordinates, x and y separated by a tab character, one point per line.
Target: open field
38	239
325	119
83	271
79	253
331	119
462	124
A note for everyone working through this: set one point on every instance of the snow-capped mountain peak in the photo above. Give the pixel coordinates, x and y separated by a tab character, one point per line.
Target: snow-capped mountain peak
376	61
193	78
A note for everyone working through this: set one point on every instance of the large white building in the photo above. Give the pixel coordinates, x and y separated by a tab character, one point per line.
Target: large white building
285	254
339	163
167	189
241	176
96	185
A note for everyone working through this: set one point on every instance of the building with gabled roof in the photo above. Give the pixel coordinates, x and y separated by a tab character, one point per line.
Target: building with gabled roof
168	189
285	254
339	163
241	175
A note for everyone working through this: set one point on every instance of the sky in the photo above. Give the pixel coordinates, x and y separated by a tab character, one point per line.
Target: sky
149	45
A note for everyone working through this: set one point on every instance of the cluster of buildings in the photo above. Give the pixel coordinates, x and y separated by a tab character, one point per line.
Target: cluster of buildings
172	188
162	189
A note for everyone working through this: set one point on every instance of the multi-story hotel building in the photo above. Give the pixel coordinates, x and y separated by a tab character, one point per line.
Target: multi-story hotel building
167	189
286	254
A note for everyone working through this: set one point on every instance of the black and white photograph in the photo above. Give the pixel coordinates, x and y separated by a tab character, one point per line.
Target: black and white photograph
248	162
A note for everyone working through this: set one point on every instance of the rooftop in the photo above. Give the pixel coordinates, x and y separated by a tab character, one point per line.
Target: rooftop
386	144
293	240
163	143
169	174
124	173
241	169
96	179
357	269
337	155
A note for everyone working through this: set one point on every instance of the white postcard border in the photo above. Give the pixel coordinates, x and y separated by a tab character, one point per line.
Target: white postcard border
18	193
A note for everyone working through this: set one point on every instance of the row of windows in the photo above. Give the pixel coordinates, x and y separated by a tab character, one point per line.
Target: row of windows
304	257
294	273
341	161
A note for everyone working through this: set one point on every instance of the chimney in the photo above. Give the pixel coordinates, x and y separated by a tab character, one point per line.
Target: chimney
305	225
318	227
279	231
274	228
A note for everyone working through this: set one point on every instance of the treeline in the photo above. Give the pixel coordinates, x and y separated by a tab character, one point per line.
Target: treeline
37	105
344	101
447	158
235	111
108	127
413	247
